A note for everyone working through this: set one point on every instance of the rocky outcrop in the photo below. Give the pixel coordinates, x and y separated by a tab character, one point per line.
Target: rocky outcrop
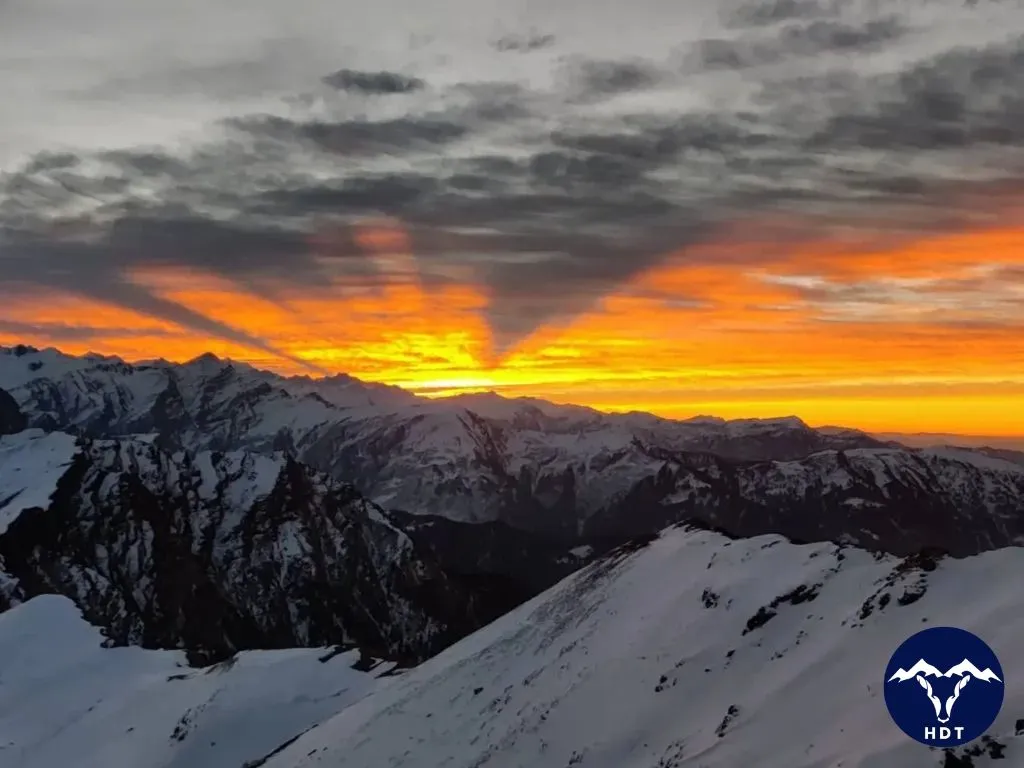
11	418
217	552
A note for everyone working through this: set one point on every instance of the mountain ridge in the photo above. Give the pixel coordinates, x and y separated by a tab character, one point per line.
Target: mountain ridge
472	401
598	671
217	552
556	471
480	399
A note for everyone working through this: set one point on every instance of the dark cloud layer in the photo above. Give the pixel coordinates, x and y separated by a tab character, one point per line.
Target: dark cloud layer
958	100
380	83
61	332
762	13
597	78
547	197
361	137
798	41
99	270
523	43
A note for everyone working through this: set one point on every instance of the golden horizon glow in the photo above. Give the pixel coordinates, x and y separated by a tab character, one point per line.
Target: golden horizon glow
923	335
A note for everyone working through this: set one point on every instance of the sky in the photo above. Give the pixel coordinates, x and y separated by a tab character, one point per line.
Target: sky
745	209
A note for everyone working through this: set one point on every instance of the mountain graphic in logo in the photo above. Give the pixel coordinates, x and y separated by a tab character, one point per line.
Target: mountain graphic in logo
944	662
965	667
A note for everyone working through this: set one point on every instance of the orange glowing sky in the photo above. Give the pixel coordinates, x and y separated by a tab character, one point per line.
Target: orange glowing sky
925	334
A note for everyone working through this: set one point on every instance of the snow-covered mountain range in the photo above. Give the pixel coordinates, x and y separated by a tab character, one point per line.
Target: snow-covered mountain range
561	471
476	458
688	651
205	509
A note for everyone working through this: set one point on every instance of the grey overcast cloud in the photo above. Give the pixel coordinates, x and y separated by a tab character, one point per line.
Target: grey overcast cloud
546	151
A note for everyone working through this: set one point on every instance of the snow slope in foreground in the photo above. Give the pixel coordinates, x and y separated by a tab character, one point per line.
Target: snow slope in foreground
66	701
658	661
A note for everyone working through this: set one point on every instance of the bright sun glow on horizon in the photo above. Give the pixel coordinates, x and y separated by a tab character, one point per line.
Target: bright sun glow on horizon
924	337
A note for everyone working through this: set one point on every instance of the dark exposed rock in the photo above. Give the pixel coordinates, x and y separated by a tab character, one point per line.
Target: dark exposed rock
11	418
963	757
912	595
763	616
523	560
912	574
165	551
730	715
801	594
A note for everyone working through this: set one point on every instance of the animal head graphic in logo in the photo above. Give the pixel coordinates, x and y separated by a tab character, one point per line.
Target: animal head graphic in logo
964	671
949	703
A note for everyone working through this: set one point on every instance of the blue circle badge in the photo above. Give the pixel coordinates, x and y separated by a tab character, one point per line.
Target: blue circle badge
944	687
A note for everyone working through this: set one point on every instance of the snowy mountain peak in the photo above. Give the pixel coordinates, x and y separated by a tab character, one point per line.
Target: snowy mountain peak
18	350
692	651
705	419
207	358
781	422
